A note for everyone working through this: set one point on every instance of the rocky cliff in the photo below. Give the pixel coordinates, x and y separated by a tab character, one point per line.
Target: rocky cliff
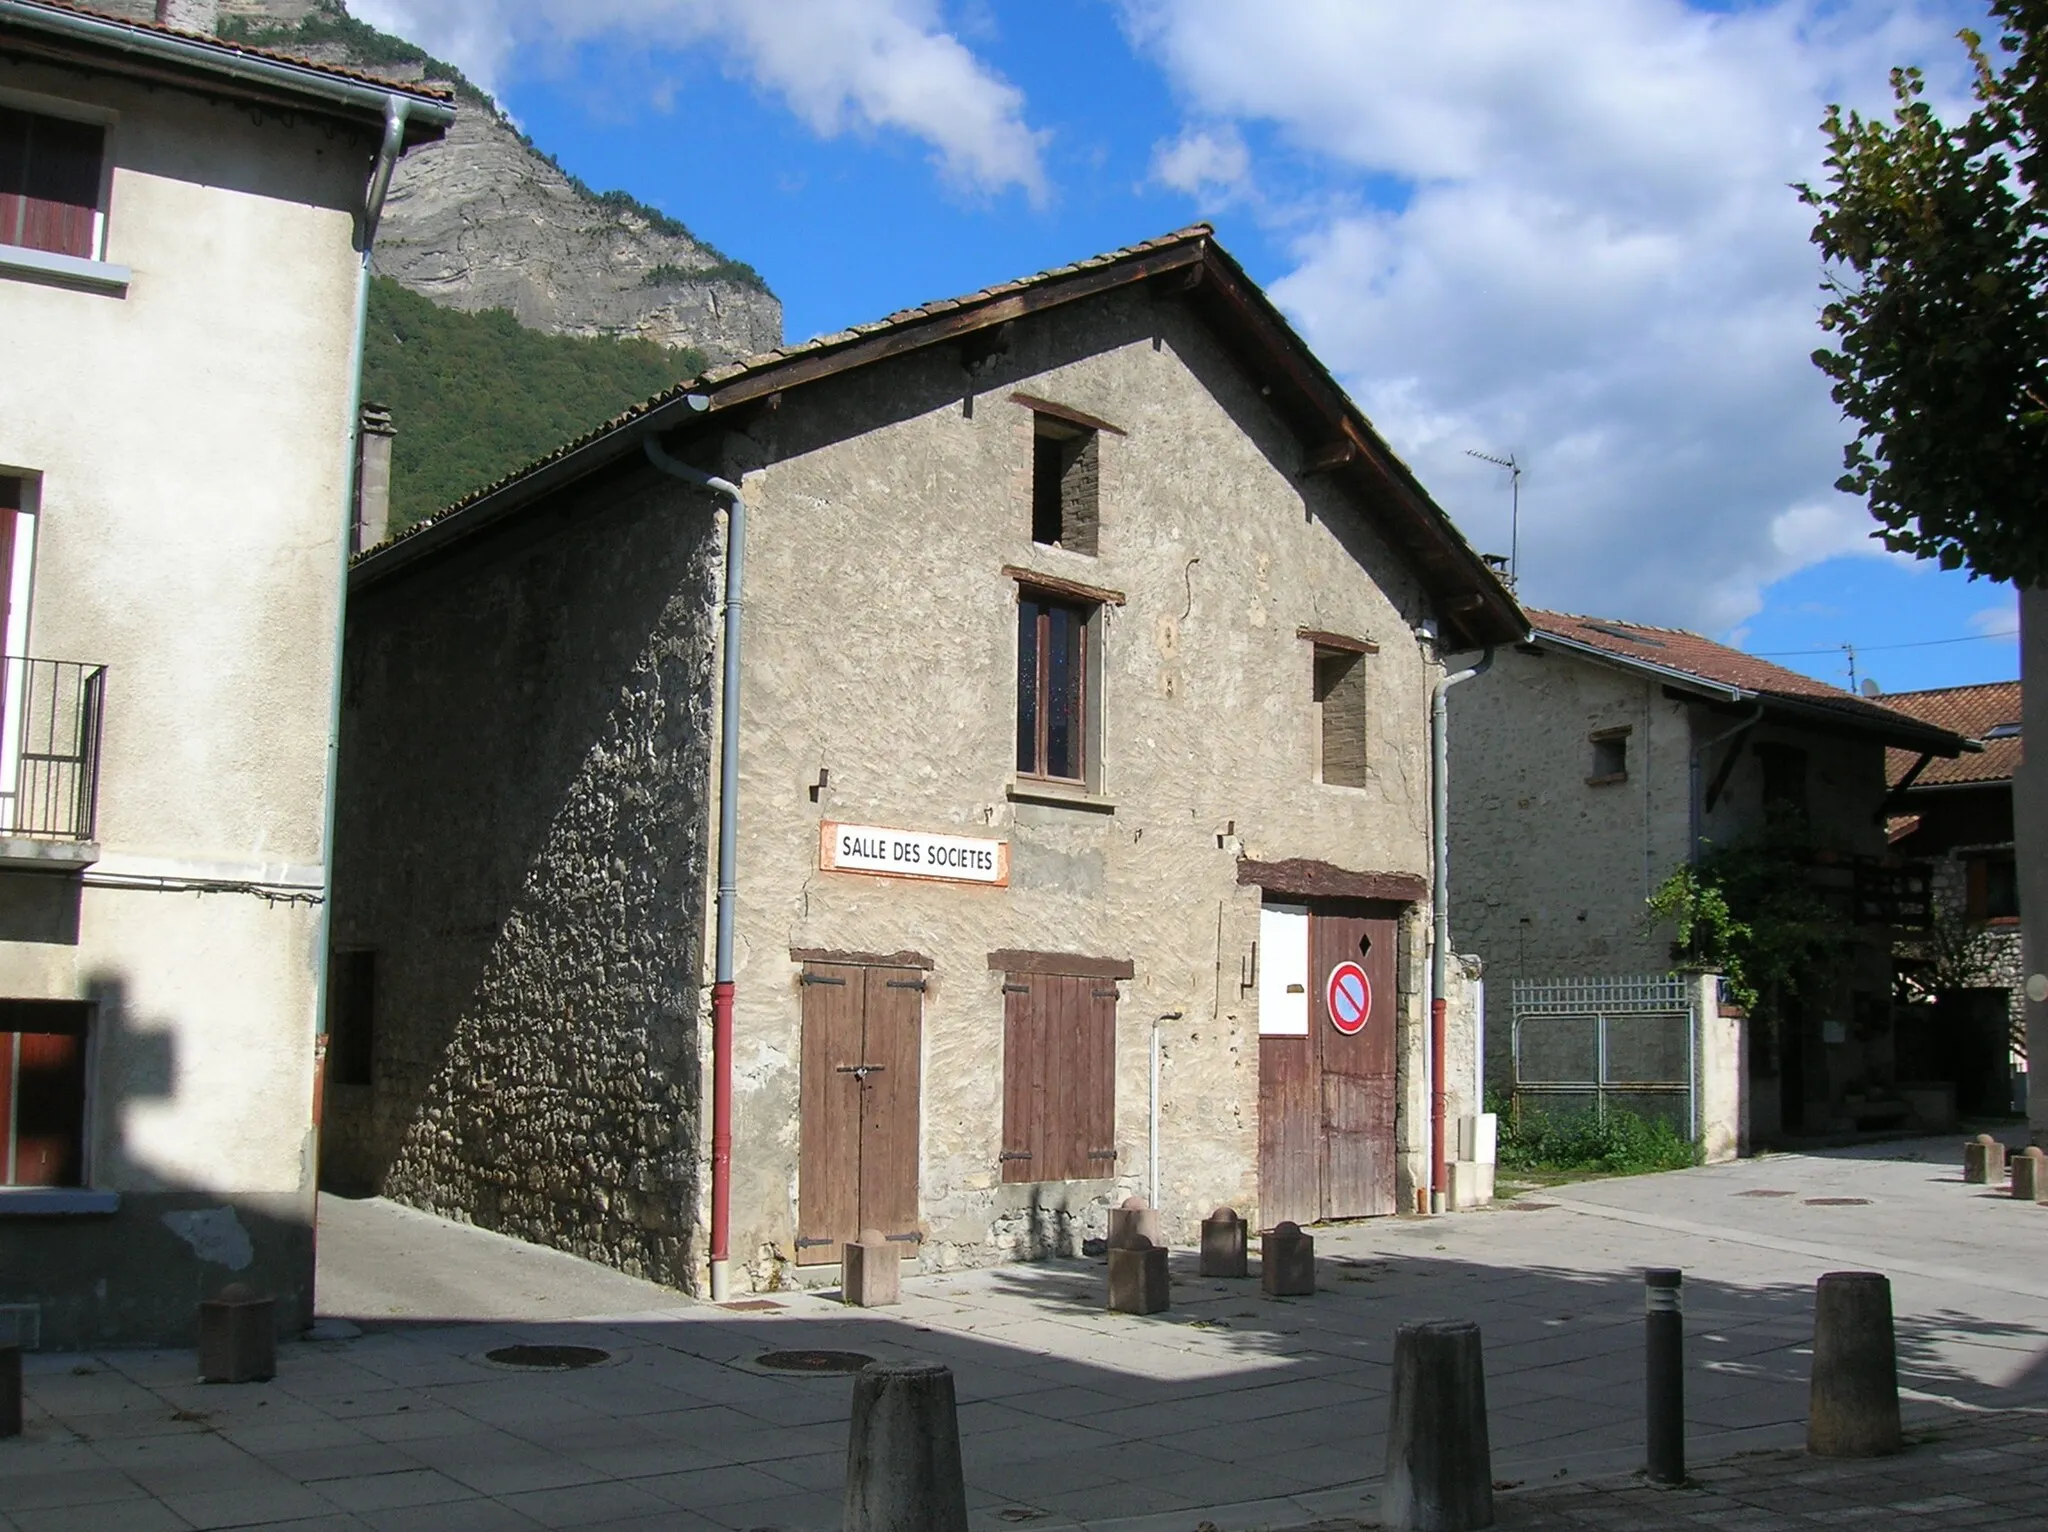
484	220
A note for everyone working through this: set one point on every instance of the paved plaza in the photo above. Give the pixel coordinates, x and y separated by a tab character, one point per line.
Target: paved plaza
1233	1409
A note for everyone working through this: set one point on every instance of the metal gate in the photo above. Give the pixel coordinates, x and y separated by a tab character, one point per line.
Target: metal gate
1588	1044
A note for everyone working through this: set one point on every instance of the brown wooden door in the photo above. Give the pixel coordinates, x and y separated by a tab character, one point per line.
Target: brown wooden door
1357	1074
1059	1077
1327	1101
860	1104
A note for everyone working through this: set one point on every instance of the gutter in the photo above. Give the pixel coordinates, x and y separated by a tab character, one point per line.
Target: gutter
1440	902
728	855
218	59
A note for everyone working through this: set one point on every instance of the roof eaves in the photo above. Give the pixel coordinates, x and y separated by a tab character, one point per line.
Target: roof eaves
1719	690
429	106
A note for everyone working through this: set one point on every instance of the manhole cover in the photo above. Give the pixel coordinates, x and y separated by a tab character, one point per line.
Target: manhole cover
815	1361
753	1305
548	1358
1838	1202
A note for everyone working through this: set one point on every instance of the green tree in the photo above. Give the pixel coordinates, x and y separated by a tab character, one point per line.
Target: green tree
1937	239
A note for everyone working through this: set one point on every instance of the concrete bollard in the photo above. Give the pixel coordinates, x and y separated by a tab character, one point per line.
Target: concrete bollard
10	1391
1287	1262
1853	1407
2030	1175
1134	1221
903	1451
870	1272
1983	1161
237	1337
1439	1461
1225	1248
1138	1281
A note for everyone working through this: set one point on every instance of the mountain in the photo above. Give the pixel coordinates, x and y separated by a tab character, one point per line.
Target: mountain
485	220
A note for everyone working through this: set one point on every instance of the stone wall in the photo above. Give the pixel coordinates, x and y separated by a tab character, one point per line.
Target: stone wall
522	842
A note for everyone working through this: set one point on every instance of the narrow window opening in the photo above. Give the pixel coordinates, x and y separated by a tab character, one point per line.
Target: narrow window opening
1610	757
1052	688
1065	485
1340	696
1784	768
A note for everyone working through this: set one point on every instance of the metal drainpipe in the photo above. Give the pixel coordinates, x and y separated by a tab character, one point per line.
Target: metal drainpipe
1440	901
396	110
728	855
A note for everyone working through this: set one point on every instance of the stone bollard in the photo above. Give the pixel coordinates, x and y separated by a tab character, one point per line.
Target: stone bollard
237	1337
1134	1221
870	1272
1225	1251
2030	1175
1983	1161
903	1451
1853	1408
10	1391
1287	1262
1138	1282
1439	1462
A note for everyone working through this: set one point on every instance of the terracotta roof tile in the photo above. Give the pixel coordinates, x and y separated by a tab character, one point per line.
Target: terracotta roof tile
1696	655
1973	712
436	93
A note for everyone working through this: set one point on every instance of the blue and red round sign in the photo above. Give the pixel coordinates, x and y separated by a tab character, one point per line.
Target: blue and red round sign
1349	997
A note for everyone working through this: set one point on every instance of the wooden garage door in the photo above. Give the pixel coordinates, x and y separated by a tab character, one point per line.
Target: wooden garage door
861	1097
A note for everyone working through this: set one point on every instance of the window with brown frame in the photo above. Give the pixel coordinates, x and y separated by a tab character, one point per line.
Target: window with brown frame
1052	686
42	1092
1784	768
50	182
1992	888
1340	693
1059	1077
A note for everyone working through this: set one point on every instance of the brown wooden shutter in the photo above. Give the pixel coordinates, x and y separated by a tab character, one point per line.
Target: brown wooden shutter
1098	1096
49	1125
890	1048
49	182
1340	684
828	1160
1023	1079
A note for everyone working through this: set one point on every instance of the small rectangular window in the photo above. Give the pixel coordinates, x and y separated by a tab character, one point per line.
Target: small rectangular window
1052	687
1610	757
1784	768
1065	483
50	182
1993	887
351	1017
42	1092
1340	694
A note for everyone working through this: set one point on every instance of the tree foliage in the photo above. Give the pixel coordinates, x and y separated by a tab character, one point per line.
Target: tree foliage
1938	298
475	396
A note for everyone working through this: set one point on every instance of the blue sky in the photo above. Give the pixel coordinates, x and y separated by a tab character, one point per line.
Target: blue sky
1562	231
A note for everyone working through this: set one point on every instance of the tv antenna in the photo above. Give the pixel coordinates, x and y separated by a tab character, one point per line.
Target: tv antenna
1514	469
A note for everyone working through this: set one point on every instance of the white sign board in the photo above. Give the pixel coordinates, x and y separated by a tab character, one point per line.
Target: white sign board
1283	970
913	854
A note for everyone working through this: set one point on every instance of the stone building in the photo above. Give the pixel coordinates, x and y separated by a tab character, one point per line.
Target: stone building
1081	739
1957	816
1600	757
182	226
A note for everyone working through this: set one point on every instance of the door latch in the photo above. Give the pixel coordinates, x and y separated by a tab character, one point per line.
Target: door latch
862	1071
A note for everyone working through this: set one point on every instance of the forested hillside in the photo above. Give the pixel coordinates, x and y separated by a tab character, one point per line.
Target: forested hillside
474	396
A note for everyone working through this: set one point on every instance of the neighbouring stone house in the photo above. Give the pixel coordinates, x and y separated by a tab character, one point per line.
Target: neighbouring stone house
1082	702
181	284
1957	816
1600	757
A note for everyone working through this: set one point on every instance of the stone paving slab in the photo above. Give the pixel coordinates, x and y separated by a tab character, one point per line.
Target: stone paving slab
1234	1408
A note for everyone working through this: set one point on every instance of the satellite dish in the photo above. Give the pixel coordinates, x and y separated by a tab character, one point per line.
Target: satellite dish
1871	688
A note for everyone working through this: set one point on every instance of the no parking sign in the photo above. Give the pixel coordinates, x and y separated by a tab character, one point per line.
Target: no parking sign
1349	997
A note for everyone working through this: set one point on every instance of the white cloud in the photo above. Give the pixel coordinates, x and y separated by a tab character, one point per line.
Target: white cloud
1203	162
1592	259
2000	621
840	65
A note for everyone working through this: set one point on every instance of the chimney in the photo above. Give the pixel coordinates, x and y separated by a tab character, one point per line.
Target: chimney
201	16
373	478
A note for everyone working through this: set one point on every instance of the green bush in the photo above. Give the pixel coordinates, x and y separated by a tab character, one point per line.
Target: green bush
1621	1143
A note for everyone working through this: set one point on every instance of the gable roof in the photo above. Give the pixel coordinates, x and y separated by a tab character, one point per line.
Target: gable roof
1973	712
1691	663
67	32
1474	606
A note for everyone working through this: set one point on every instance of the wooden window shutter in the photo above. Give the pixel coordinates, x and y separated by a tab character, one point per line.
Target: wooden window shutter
1340	684
1023	1081
1098	1126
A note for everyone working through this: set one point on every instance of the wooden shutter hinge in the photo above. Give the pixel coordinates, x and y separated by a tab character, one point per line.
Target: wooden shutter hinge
1101	1154
916	984
820	978
1016	989
1014	1154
